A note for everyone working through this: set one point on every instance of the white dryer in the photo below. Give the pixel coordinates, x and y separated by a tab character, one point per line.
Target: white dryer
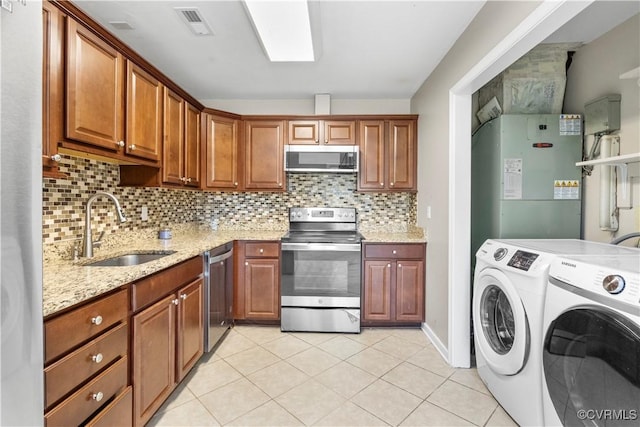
508	296
591	351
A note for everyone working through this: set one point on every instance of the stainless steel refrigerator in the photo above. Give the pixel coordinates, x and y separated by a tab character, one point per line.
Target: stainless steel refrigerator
525	183
21	364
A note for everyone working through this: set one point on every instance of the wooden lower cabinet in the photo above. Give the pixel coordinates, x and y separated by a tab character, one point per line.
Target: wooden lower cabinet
393	287
257	284
168	338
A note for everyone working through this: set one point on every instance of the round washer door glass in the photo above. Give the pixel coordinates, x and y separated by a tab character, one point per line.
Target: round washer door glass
500	322
591	362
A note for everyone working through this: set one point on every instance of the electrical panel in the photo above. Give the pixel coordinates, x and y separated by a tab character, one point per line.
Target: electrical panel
602	115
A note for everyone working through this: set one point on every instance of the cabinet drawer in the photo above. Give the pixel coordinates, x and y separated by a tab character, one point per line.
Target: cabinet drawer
152	288
117	413
80	405
67	331
70	371
262	249
411	251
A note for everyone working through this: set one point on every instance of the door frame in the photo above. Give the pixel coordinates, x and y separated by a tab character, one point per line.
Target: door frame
541	23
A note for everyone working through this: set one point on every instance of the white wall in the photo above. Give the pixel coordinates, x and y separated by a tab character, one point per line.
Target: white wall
494	21
595	72
307	106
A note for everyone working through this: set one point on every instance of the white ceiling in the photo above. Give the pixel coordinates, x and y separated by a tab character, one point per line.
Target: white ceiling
364	49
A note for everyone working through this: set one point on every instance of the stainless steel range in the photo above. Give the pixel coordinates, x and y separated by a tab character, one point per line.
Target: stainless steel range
321	263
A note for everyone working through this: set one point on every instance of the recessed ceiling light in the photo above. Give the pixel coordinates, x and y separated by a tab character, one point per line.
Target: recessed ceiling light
194	20
284	29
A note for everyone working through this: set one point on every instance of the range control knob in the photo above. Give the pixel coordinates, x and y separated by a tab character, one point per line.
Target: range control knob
614	284
499	253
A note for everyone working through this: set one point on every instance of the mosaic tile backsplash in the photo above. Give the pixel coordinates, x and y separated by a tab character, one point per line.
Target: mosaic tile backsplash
64	203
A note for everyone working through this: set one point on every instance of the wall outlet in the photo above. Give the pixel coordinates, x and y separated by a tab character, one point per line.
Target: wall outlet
145	213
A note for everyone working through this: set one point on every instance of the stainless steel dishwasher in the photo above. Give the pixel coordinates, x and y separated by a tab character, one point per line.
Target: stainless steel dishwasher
218	310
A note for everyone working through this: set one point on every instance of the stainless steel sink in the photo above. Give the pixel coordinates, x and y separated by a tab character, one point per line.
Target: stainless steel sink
129	259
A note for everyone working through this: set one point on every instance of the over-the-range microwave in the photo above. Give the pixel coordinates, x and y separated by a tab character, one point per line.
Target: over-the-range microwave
321	158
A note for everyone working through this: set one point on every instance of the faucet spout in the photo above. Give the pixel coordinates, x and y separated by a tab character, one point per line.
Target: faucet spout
87	244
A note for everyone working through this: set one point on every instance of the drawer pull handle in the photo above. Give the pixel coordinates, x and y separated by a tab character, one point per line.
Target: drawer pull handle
96	320
97	396
261	251
175	301
394	252
183	296
97	357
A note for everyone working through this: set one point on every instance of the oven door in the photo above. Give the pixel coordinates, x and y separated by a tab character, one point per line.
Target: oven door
320	275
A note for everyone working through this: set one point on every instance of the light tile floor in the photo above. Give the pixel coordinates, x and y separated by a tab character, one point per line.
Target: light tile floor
260	376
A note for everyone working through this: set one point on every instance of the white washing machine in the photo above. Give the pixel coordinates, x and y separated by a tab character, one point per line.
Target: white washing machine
591	351
510	283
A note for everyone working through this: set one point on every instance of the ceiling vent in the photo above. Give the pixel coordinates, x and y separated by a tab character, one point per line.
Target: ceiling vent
194	20
121	25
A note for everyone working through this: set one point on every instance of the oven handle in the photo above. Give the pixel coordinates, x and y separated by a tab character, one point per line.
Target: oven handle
344	247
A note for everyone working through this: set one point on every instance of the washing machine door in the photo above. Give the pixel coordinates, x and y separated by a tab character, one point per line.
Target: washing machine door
500	323
591	362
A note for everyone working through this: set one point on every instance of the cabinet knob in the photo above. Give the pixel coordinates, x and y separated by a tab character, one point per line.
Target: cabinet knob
261	251
317	141
399	265
120	143
394	252
96	320
382	184
246	263
97	396
388	265
391	184
56	157
132	147
188	179
97	358
175	301
326	141
279	184
235	184
183	296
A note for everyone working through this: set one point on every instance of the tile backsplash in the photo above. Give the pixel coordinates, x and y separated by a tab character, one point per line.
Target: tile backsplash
64	203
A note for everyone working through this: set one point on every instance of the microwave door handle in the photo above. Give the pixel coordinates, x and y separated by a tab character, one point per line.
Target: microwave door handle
355	247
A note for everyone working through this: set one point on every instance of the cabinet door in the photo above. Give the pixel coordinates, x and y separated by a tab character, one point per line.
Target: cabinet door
262	290
154	349
95	93
190	334
304	132
377	290
52	86
191	145
338	132
173	148
264	155
144	114
402	155
372	156
221	162
410	291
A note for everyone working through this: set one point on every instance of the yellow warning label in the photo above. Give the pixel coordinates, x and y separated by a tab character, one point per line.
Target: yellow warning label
564	189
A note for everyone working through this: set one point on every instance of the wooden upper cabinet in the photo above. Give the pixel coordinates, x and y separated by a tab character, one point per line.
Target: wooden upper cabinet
264	155
388	155
181	148
95	92
372	155
52	87
330	132
402	155
144	114
173	146
221	153
192	166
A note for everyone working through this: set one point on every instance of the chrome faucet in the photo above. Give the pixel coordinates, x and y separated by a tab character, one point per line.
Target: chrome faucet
87	243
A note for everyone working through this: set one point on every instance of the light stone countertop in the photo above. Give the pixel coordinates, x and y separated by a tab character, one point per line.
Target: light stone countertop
67	282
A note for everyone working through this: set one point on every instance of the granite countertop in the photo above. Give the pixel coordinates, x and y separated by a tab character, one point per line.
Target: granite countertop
67	282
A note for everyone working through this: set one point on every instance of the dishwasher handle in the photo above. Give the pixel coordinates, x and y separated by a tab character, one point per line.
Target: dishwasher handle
221	257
